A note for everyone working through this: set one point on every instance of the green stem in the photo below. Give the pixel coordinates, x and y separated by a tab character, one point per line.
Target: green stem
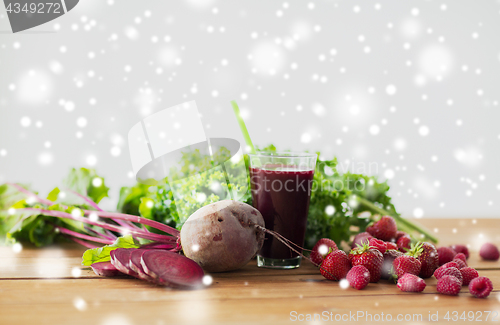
399	219
243	127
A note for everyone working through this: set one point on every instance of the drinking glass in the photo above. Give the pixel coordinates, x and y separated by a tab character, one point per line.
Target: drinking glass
281	185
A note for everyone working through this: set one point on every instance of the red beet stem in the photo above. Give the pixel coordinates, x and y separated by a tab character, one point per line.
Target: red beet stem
82	242
95	206
136	233
29	193
285	241
109	235
86	199
159	246
136	219
125	220
86	237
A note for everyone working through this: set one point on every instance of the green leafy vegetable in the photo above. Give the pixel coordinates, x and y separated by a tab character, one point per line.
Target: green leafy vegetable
33	227
101	254
88	183
341	205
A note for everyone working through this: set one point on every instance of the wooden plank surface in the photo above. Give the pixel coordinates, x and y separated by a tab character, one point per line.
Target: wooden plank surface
48	286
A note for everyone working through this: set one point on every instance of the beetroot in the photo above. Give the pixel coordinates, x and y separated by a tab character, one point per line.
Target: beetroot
171	269
223	236
135	264
120	258
105	269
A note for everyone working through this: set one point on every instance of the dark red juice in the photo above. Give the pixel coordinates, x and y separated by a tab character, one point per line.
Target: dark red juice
282	197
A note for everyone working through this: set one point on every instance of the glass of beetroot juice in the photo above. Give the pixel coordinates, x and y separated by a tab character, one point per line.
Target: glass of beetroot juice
281	185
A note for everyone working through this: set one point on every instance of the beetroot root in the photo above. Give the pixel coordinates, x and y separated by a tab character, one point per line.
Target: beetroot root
135	264
105	269
120	258
223	236
171	269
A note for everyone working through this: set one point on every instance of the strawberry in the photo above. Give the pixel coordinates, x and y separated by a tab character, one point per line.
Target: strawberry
358	277
404	243
449	285
461	249
429	259
370	258
408	263
378	244
461	264
389	256
453	271
335	265
411	283
445	255
323	247
391	245
480	287
468	274
360	239
384	229
489	252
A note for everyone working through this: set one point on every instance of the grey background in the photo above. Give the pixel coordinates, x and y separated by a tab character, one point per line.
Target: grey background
408	86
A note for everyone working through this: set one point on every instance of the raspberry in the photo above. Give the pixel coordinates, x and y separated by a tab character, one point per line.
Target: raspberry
378	244
461	264
445	255
449	285
404	243
391	245
358	277
461	249
411	283
453	271
437	273
461	256
468	274
480	287
489	252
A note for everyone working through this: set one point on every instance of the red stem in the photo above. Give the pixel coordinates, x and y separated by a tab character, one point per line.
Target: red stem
95	206
86	237
159	246
132	218
86	199
284	241
109	235
136	233
29	193
82	242
111	215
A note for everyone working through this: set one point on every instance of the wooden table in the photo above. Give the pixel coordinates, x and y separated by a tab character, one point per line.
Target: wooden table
44	286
